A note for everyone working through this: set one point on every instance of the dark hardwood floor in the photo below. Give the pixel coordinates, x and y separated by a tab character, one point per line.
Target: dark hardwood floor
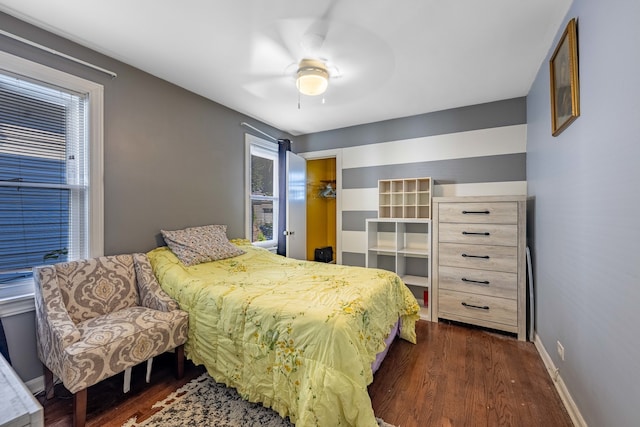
465	376
108	406
454	376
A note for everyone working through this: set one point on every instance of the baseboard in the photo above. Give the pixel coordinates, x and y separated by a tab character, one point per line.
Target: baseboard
554	373
36	385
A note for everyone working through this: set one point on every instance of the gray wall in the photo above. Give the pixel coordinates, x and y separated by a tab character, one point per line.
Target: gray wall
19	330
494	114
171	159
585	228
473	150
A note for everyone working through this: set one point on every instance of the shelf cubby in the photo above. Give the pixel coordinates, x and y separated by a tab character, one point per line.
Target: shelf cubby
403	245
405	198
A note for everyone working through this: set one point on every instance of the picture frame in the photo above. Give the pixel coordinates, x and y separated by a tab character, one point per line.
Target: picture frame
564	81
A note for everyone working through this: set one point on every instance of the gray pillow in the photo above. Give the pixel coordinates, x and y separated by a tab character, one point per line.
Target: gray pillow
195	245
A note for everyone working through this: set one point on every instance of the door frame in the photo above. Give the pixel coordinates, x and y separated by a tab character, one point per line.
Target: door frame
332	154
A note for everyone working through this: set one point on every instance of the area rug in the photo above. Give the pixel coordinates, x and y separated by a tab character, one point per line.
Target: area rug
203	402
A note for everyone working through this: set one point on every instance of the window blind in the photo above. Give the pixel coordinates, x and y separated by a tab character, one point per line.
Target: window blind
43	177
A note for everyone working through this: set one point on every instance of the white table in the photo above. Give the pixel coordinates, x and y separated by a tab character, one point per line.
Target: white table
18	407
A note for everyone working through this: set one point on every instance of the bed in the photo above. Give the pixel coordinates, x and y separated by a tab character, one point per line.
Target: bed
297	336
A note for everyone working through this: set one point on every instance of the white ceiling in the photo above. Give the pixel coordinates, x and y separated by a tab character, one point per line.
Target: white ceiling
388	58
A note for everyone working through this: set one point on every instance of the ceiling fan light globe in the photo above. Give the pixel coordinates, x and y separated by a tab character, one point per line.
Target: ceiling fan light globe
312	80
312	85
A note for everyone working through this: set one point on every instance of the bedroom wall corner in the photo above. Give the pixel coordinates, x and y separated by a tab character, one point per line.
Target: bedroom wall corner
585	225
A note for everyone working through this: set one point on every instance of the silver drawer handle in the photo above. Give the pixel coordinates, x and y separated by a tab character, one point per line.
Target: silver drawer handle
480	307
479	282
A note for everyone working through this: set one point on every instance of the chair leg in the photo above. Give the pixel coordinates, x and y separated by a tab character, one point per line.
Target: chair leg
180	361
127	380
48	382
80	408
149	365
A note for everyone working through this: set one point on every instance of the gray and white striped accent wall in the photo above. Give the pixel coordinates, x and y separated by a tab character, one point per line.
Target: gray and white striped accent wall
480	158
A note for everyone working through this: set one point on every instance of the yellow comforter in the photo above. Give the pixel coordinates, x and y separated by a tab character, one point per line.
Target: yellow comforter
297	336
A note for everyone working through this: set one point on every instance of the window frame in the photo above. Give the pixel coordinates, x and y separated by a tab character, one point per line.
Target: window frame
261	145
20	298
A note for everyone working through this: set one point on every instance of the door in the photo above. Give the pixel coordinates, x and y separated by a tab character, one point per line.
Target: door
296	213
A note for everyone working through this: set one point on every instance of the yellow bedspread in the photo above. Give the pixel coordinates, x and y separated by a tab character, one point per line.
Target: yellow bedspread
297	336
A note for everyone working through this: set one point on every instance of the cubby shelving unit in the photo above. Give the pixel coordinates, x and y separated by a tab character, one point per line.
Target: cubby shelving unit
404	198
403	245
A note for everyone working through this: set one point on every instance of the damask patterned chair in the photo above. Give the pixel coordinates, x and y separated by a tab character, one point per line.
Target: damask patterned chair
98	317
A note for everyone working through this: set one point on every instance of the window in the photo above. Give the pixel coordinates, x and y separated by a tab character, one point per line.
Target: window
262	191
50	171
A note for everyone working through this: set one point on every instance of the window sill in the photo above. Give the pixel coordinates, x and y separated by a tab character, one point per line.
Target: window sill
17	299
270	246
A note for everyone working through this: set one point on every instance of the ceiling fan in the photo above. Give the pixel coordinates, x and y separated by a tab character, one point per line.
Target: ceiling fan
313	69
301	56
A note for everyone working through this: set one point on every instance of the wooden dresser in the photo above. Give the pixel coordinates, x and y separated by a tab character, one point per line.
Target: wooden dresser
479	266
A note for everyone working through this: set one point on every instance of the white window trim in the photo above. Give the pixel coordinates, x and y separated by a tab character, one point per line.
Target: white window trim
250	140
22	299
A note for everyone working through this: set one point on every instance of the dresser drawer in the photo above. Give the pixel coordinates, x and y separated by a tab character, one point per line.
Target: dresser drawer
484	257
467	307
483	282
479	212
479	234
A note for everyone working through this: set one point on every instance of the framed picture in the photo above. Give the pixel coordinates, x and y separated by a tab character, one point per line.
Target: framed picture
565	91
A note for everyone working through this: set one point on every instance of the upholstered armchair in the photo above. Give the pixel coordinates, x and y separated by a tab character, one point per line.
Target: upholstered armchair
98	317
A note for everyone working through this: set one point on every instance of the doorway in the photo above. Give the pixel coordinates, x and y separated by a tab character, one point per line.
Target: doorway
321	207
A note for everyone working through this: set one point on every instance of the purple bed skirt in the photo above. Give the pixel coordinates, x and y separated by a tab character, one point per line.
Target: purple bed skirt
380	357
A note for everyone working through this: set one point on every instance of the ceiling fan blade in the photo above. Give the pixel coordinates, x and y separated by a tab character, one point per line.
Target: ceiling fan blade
319	27
269	87
289	33
269	56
